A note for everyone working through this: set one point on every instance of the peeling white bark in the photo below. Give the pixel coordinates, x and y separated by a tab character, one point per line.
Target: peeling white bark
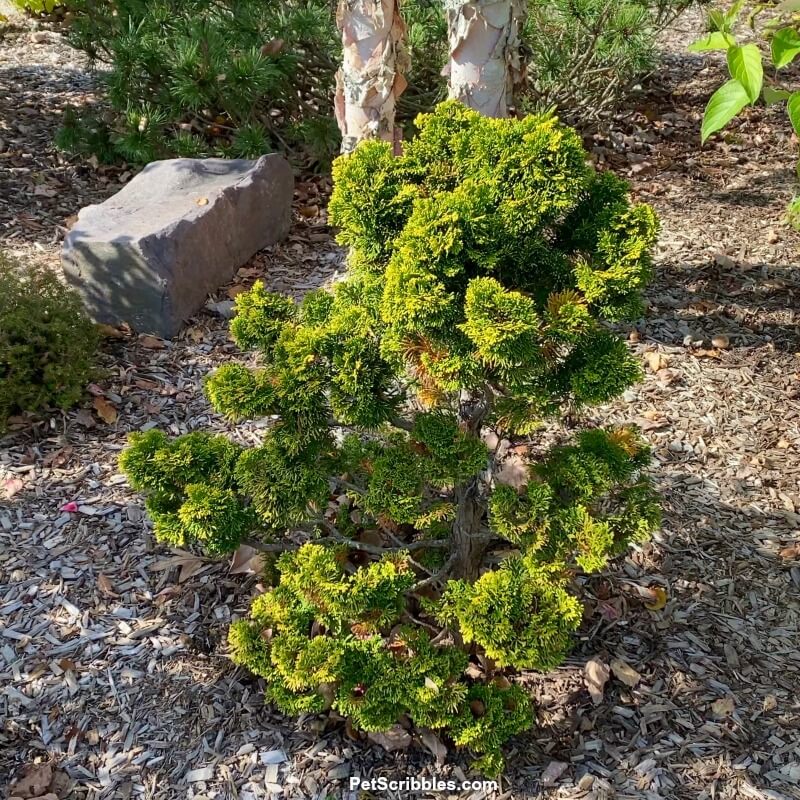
371	78
485	61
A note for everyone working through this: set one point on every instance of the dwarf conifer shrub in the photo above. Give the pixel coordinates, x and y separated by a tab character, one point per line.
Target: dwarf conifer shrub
47	343
412	583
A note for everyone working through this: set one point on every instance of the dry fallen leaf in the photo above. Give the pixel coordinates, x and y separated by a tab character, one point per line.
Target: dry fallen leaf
723	707
84	417
396	738
11	486
152	342
195	334
658	598
721	341
34	781
625	672
596	674
647	424
247	561
105	586
190	564
554	770
724	261
434	744
656	361
513	471
790	552
609	610
109	331
234	291
272	47
58	458
105	410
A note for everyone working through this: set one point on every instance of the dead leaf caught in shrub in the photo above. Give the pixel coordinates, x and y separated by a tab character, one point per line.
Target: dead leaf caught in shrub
396	738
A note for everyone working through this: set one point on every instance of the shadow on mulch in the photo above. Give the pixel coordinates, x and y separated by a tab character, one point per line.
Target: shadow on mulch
748	303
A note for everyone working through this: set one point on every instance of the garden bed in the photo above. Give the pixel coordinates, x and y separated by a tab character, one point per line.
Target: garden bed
112	647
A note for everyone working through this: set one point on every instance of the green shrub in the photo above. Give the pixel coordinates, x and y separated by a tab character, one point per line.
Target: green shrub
47	342
202	77
585	55
485	264
42	6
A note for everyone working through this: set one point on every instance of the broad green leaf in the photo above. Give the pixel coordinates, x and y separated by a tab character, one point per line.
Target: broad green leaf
793	107
788	5
716	40
772	96
785	46
723	106
716	20
734	11
744	64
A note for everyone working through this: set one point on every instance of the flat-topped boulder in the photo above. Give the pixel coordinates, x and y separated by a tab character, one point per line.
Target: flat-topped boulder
150	255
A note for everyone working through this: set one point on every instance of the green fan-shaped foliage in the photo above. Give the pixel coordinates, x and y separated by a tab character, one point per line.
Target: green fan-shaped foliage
486	263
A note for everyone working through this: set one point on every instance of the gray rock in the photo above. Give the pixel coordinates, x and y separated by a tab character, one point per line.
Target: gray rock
223	308
152	253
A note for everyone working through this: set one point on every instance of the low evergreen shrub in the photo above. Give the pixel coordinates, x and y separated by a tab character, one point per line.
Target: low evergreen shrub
47	343
235	78
413	582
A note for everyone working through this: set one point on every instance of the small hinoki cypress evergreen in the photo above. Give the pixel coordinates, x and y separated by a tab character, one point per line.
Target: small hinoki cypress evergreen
486	262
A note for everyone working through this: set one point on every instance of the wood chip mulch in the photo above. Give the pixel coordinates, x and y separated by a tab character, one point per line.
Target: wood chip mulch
114	680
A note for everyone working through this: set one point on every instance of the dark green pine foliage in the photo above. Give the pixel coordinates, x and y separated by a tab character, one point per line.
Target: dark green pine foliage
486	263
233	78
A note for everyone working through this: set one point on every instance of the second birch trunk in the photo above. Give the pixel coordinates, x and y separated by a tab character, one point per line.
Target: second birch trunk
485	58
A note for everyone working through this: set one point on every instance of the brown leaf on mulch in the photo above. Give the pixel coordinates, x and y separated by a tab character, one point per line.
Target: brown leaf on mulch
596	675
105	410
34	780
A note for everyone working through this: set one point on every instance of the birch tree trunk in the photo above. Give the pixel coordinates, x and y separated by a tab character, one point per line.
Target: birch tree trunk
485	60
371	77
